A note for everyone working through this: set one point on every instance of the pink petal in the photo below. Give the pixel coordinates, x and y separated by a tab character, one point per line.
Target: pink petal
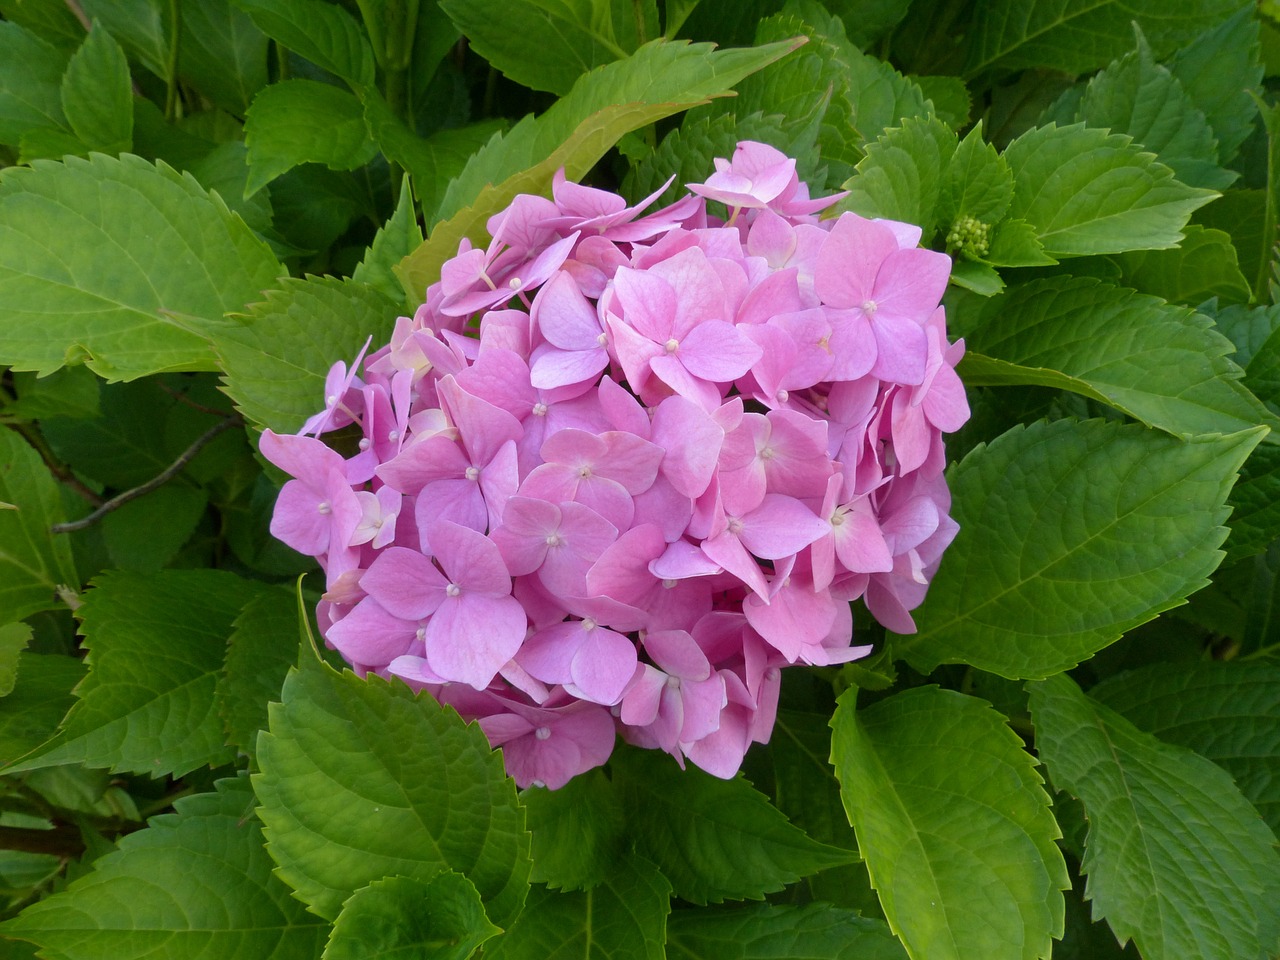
405	583
471	636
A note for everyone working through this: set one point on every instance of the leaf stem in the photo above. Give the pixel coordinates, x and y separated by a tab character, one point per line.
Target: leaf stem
169	472
171	106
61	472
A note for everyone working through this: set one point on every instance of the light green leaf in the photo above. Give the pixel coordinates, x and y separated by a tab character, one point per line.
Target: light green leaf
1161	364
1087	191
1218	69
713	839
954	825
222	54
30	714
225	170
1176	859
623	918
902	174
543	44
579	831
195	883
97	96
14	638
1077	36
156	644
1226	711
1139	97
30	83
33	561
1203	266
362	779
977	182
952	102
303	121
323	33
94	254
262	646
400	917
394	241
1014	243
145	534
277	355
1071	534
765	932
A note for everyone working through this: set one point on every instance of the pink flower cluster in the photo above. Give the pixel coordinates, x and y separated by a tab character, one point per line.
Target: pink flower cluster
621	467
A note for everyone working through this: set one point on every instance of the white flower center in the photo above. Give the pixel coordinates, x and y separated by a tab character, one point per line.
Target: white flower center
673	683
735	526
539	409
453	590
472	473
869	307
324	507
554	540
672	345
542	733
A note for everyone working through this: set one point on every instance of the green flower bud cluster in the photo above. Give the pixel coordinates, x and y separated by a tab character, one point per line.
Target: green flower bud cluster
970	236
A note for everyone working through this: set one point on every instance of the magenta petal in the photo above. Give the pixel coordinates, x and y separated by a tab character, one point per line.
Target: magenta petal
603	667
729	552
562	368
405	582
692	440
370	635
716	351
564	316
470	559
901	349
471	636
796	616
676	652
779	527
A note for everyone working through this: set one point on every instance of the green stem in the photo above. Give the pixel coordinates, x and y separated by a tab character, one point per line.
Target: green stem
172	107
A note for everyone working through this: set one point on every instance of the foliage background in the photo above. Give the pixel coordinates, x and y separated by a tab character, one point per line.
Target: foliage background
205	204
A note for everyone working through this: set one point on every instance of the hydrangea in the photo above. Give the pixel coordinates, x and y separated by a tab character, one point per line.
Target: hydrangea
622	467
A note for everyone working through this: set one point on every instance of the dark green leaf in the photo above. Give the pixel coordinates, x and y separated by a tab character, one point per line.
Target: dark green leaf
400	917
763	932
156	644
223	54
1204	265
713	839
145	534
95	254
30	83
623	918
96	94
1113	524
262	647
143	27
954	824
1176	858
579	831
30	714
362	779
195	883
323	33
70	392
14	638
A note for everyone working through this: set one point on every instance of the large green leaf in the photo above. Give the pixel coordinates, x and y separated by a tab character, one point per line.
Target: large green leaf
31	712
276	356
262	646
1228	711
579	831
1070	534
713	839
33	561
304	121
30	83
1203	266
544	44
362	779
1161	364
400	918
1076	36
1176	858
901	177
954	824
94	254
764	932
394	241
1088	191
323	33
97	96
622	918
156	644
222	54
195	883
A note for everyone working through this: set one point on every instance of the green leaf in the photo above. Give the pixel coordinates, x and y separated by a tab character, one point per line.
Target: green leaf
145	534
954	825
952	102
362	779
302	121
394	241
222	54
543	44
323	33
1176	859
30	83
195	883
766	932
437	919
33	561
1218	69
579	831
125	445
143	27
1164	365
14	638
901	176
97	96
30	714
277	355
1077	36
94	254
70	392
1087	191
1255	504
713	839
1226	711
623	918
1139	97
1203	266
1071	534
262	646
156	644
977	182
